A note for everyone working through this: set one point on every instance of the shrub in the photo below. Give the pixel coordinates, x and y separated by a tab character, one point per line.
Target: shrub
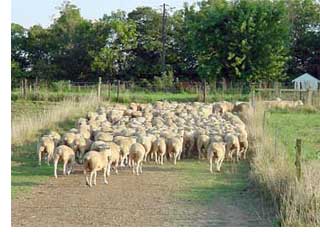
164	82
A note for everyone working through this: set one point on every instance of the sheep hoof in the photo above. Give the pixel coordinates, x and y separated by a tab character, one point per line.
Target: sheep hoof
106	182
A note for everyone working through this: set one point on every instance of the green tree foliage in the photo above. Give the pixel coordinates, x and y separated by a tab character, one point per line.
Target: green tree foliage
304	16
114	58
241	40
146	62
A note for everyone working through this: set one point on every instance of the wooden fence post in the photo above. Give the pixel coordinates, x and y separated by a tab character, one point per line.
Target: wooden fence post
204	91
298	158
99	88
25	87
309	97
118	90
264	120
109	91
21	88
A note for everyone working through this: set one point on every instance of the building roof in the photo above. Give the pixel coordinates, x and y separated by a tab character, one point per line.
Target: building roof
305	77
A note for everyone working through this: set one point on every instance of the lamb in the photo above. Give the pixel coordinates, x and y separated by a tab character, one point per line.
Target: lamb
114	158
146	141
222	107
55	136
202	144
95	161
174	148
216	153
102	136
98	145
188	143
125	144
68	139
243	110
158	150
232	146
92	116
243	142
67	156
80	146
136	156
45	146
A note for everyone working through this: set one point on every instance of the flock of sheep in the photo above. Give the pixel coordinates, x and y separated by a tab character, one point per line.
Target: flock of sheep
119	135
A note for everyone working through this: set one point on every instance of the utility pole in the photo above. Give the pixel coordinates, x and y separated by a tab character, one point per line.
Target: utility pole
163	37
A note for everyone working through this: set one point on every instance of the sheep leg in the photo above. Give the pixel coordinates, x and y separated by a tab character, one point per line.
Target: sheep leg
109	169
39	156
91	176
162	159
210	161
137	168
55	167
175	159
133	166
95	178
220	163
86	176
179	155
156	157
140	167
122	161
65	167
199	153
116	167
105	175
48	159
245	153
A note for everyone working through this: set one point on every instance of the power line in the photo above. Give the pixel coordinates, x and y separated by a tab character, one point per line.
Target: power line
163	38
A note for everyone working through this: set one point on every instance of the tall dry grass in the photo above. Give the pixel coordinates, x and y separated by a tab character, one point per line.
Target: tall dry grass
297	202
26	127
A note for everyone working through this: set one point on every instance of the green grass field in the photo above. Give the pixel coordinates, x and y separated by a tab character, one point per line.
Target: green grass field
133	96
288	126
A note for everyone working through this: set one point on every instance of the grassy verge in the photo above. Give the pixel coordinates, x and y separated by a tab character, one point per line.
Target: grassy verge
273	170
200	189
127	96
24	129
28	123
290	125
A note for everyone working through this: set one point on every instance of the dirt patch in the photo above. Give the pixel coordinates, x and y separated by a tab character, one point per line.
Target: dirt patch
147	200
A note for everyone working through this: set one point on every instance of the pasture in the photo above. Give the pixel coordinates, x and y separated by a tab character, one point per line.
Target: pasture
182	195
288	125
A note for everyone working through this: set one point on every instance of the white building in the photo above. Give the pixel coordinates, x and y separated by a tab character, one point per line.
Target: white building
305	82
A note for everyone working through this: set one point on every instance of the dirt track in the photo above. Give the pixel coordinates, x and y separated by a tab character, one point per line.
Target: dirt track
147	200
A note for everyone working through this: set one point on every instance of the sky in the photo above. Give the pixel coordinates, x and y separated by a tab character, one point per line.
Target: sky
31	12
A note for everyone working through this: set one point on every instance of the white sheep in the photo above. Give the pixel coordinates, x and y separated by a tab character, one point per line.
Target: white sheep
95	161
67	156
158	150
46	147
174	148
202	145
216	153
136	156
232	147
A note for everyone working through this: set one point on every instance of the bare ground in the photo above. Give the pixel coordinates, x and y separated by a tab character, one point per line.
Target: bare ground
151	199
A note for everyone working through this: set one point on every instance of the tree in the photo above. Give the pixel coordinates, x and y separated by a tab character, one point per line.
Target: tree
232	39
71	41
146	62
304	16
19	55
116	54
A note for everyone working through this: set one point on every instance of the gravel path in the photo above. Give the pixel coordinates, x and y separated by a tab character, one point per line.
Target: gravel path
146	200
